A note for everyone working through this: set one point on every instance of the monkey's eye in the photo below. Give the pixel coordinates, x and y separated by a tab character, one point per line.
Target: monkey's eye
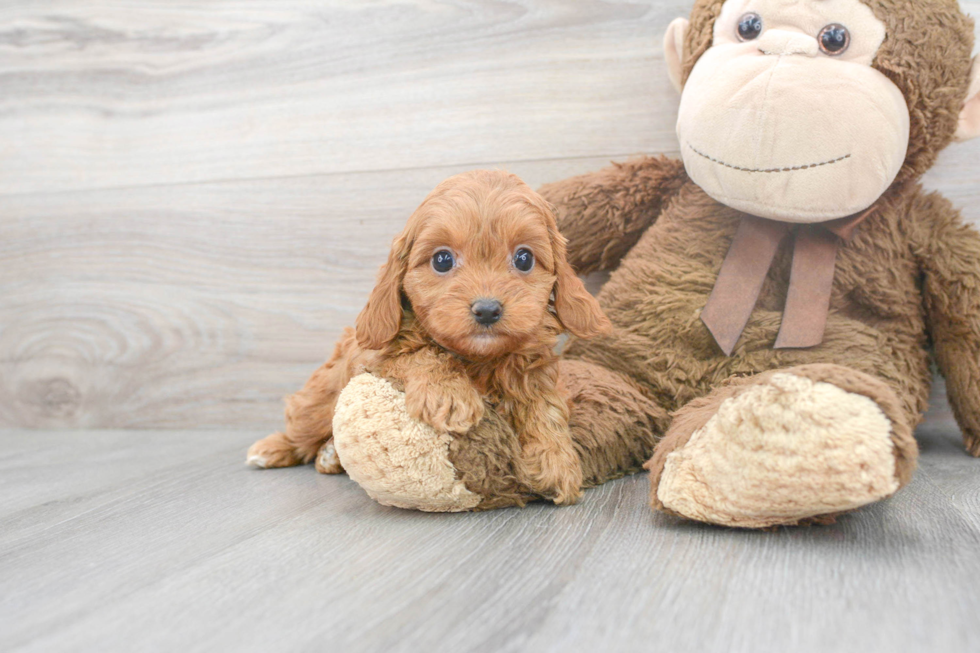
523	259
443	261
834	39
749	27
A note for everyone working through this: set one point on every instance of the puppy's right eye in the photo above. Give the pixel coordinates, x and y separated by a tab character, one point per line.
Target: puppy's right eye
443	261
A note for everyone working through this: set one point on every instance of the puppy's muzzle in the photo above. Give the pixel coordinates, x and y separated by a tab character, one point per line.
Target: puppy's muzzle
486	311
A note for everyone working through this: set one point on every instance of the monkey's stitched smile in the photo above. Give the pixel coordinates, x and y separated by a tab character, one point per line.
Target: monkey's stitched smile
790	169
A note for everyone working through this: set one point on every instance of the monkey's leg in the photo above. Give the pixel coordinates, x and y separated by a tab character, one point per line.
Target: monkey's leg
782	447
613	424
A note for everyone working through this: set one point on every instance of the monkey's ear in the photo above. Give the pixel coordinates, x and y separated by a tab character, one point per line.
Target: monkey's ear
674	51
969	126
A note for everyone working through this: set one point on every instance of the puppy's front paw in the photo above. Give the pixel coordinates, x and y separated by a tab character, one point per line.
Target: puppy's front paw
554	472
448	408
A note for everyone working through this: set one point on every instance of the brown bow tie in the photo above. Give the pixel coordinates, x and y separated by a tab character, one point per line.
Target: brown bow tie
745	268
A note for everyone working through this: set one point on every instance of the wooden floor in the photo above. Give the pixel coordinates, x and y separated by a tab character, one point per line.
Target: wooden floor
165	541
194	199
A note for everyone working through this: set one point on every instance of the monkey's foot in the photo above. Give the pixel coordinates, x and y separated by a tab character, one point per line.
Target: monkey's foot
781	448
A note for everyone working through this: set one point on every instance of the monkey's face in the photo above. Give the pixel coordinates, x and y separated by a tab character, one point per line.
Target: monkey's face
784	117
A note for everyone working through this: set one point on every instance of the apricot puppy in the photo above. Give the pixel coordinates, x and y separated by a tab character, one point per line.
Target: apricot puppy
466	313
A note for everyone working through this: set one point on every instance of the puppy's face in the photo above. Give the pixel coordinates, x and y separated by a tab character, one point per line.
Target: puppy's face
481	262
481	272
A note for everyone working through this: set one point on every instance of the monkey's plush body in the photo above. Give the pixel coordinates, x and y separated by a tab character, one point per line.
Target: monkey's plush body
908	279
778	294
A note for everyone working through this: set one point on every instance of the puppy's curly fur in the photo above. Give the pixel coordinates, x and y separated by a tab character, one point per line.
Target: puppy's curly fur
420	329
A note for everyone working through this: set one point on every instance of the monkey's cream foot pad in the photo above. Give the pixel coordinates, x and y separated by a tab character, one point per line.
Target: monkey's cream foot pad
780	452
399	461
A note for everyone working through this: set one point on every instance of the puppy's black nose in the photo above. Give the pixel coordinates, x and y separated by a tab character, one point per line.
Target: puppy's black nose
486	311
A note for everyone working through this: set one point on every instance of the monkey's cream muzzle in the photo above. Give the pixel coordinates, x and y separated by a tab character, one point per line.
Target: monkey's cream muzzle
793	137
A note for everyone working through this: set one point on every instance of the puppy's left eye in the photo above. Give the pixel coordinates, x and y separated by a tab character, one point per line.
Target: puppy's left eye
443	261
523	259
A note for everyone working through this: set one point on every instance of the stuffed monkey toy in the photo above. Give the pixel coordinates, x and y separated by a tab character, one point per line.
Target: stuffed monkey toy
777	294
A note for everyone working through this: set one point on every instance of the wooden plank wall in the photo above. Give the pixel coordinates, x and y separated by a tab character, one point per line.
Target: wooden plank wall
195	195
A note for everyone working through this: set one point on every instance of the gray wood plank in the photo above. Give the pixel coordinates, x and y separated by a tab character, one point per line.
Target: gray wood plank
177	546
138	92
141	92
197	306
141	291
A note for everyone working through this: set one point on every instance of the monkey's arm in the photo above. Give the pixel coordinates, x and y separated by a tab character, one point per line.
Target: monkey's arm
949	255
604	213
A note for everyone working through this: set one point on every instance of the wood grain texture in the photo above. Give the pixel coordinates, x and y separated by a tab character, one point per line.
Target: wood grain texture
194	197
157	92
162	541
122	311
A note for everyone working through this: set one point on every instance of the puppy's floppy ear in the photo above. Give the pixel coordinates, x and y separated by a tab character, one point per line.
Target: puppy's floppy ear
379	322
577	310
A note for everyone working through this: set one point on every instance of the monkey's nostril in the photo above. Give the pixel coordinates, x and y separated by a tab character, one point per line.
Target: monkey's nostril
486	311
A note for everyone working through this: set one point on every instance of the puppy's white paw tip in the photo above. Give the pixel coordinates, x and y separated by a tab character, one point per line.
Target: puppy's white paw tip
259	462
